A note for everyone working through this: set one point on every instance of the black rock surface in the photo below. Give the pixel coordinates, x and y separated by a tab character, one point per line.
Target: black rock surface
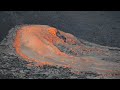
100	27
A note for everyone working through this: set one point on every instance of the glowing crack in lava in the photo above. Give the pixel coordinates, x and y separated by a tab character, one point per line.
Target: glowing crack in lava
38	44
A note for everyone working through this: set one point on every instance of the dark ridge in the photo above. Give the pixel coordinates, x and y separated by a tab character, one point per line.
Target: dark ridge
114	49
61	36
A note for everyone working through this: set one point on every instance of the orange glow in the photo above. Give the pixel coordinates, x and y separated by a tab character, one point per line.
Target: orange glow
36	43
53	31
17	45
32	38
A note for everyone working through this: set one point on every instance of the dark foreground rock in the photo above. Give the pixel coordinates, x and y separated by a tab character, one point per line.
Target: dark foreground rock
12	67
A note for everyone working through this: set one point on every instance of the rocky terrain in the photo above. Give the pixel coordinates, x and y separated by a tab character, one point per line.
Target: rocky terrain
71	58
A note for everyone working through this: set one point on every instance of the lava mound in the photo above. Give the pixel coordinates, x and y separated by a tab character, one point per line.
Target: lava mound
37	43
42	44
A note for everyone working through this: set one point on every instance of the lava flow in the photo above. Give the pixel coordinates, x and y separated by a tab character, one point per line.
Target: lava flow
42	44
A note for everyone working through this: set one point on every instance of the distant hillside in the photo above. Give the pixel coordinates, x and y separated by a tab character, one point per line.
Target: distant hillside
94	26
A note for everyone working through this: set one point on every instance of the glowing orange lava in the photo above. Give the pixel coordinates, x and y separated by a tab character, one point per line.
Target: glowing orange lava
36	43
39	40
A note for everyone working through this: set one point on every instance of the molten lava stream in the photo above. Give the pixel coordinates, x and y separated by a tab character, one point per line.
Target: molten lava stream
36	43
